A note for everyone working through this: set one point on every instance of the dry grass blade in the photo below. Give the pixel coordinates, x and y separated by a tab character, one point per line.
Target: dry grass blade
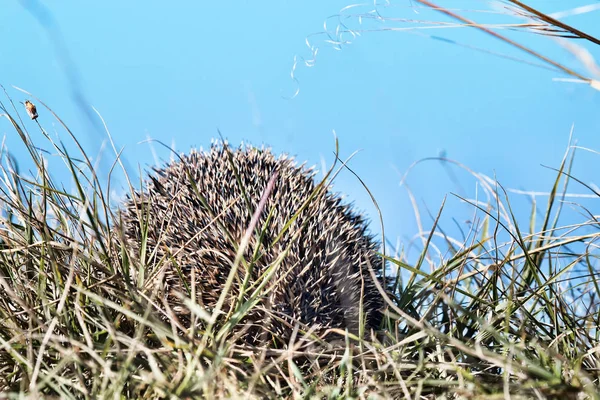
551	23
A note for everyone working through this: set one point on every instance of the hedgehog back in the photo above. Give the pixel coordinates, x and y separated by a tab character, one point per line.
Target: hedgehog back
197	213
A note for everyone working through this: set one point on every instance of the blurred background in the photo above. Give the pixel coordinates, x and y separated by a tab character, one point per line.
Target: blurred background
395	82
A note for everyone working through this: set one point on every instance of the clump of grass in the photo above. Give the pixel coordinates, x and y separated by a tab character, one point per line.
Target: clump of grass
508	311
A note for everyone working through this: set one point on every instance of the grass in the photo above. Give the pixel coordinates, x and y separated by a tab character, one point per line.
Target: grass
510	310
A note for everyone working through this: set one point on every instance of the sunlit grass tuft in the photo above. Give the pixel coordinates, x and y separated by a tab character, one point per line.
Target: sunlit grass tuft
509	310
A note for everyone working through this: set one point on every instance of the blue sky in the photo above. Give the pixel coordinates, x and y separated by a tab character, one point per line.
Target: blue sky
179	71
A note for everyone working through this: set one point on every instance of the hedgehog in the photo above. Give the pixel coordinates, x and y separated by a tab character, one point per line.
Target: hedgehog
310	255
